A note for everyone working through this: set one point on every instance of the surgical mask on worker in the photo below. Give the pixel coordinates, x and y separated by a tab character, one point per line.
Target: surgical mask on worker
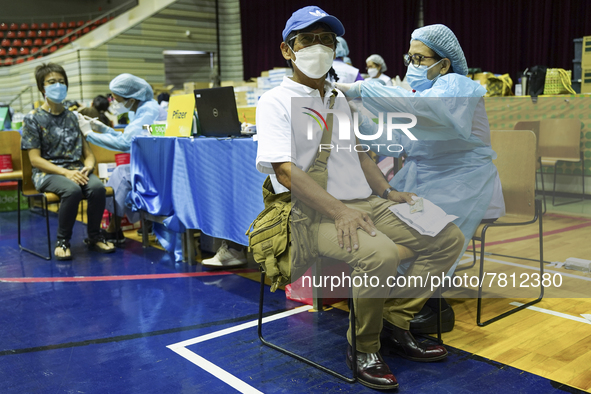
118	108
56	92
314	61
417	77
373	72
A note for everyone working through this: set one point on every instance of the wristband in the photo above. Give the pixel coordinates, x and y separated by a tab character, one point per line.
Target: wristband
387	191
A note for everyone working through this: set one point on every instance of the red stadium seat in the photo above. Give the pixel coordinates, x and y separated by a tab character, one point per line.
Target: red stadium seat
30	58
5	42
45	51
27	42
60	46
65	40
72	38
17	42
104	20
69	31
1	34
13	27
38	42
53	49
44	26
34	26
23	51
80	23
92	27
50	33
53	25
39	57
47	41
2	51
63	25
72	24
11	34
24	26
61	32
41	33
21	34
34	50
8	62
31	34
12	51
3	26
85	30
20	60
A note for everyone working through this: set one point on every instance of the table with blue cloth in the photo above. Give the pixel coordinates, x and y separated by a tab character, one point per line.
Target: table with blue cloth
203	183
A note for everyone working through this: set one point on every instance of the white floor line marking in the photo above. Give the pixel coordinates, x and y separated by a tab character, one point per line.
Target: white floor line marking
223	375
537	268
554	313
216	371
466	261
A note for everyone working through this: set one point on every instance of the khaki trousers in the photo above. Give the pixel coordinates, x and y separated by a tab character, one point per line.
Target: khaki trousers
378	256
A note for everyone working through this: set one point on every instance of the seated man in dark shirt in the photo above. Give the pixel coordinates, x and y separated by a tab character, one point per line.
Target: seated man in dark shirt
62	161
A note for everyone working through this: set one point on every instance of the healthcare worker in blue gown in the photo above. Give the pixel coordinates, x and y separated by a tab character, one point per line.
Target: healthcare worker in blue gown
450	162
134	96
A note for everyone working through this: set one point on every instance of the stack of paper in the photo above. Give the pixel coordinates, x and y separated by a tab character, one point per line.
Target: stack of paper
430	221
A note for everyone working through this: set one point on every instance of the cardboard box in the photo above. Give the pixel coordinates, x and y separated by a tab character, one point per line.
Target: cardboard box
106	169
8	197
190	86
247	114
586	80
586	52
5	164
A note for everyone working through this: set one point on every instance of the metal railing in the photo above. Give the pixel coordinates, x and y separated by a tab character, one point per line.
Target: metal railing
19	97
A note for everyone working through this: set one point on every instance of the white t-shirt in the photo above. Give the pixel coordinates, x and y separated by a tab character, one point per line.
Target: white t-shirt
283	137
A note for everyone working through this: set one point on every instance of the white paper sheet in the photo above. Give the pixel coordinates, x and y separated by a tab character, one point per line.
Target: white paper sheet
430	221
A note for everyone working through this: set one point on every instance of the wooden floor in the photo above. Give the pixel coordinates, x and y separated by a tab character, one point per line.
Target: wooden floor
551	346
553	340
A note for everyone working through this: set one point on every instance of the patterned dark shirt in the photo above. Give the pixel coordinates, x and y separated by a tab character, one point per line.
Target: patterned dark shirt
57	136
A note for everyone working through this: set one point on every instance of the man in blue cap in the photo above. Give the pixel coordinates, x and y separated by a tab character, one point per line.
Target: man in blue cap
356	225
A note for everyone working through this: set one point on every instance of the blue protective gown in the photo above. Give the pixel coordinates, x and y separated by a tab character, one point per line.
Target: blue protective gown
450	163
147	113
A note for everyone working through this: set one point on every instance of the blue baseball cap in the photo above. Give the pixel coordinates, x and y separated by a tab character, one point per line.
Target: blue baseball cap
309	15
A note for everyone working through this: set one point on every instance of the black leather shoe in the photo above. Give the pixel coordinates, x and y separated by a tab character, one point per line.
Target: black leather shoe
425	322
402	343
372	371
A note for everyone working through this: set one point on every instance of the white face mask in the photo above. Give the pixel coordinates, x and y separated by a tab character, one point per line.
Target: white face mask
314	61
118	108
373	72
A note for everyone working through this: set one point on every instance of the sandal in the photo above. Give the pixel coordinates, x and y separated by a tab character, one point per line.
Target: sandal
65	245
92	245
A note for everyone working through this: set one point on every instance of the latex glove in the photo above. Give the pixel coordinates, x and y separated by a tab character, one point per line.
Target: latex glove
97	125
84	124
350	89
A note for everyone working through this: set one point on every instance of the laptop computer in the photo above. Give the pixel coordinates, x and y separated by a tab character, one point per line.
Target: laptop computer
217	112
